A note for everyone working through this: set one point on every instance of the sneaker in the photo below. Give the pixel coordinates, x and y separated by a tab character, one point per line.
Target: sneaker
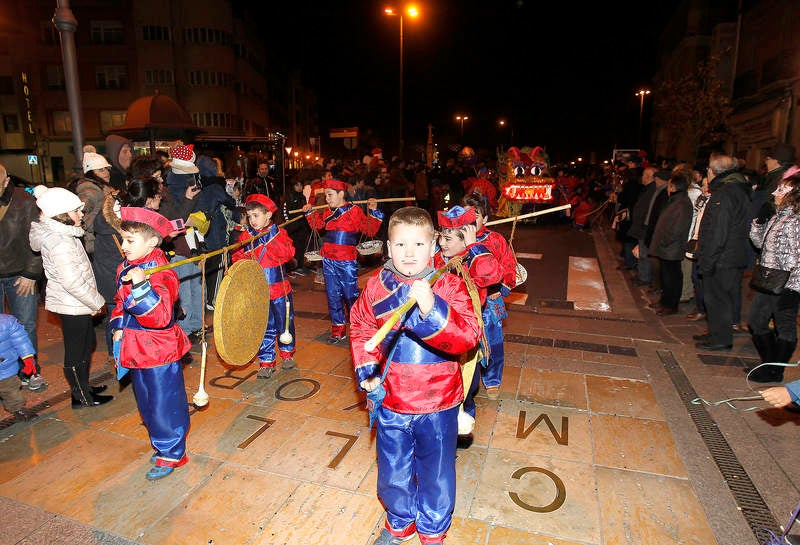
288	363
385	538
35	382
336	339
493	393
266	372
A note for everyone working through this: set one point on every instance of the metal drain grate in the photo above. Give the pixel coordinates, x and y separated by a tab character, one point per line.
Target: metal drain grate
754	509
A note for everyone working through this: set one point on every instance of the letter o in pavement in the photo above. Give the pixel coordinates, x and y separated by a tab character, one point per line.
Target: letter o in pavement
315	386
561	491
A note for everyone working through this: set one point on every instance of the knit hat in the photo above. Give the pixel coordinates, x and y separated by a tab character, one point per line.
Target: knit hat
263	200
53	201
338	185
94	161
783	153
456	217
152	218
183	158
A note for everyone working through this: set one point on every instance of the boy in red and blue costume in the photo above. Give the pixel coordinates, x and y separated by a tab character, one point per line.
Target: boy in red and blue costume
494	311
417	424
344	224
273	249
150	343
458	238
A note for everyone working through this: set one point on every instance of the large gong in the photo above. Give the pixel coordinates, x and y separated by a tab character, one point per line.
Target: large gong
241	311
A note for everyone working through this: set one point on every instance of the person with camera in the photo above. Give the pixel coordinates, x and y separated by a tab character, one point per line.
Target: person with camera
778	237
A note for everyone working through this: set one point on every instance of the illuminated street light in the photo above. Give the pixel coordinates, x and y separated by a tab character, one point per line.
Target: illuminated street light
641	93
411	11
461	119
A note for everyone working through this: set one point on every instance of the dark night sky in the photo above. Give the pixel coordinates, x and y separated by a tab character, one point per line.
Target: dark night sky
563	75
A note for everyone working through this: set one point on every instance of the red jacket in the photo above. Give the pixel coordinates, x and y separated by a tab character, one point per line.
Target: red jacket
273	249
425	374
343	229
481	265
145	313
504	253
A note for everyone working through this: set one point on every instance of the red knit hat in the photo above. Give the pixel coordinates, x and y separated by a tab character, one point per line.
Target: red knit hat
263	200
456	217
183	158
338	185
150	217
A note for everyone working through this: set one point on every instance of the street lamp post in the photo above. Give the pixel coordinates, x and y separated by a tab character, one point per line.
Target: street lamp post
461	119
641	93
412	12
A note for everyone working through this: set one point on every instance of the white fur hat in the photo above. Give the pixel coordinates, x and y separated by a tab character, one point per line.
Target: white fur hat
53	201
94	161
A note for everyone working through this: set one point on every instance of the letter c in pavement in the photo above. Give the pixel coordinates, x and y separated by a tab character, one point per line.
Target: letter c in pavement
561	491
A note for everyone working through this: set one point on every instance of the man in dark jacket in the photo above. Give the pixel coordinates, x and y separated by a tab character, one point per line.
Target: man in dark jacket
722	248
119	151
20	267
669	241
299	231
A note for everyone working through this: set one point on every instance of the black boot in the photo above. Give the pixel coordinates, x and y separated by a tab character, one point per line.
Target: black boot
771	373
765	345
82	395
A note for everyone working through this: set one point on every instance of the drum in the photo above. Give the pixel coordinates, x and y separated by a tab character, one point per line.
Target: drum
522	275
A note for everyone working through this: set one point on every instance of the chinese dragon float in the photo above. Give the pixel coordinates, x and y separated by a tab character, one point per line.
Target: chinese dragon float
524	178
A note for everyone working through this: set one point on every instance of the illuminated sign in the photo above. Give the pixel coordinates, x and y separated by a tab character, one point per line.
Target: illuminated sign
26	93
529	192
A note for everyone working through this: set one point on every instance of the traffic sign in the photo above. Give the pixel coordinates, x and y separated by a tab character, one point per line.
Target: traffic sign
33	159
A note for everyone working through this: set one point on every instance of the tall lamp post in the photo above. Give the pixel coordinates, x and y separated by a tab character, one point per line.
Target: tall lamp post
641	93
411	11
461	119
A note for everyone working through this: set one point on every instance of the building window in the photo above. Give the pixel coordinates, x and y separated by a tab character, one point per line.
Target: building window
107	32
6	85
216	120
159	77
111	77
207	36
11	123
112	118
49	32
211	79
156	33
62	123
54	76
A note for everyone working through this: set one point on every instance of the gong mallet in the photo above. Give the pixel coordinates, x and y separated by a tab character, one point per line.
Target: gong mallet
200	398
384	330
531	215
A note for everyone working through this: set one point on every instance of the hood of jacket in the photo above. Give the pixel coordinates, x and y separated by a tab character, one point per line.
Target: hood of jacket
114	144
47	226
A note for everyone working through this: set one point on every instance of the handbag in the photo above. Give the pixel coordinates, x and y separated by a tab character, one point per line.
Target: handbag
768	280
782	539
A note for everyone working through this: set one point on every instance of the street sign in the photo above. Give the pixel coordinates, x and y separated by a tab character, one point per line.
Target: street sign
33	159
347	132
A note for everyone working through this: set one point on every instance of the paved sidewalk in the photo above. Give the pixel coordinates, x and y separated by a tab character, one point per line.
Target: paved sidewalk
594	441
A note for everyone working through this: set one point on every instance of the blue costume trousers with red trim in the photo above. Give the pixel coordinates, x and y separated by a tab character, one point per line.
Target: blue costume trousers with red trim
417	471
341	286
493	314
276	324
161	397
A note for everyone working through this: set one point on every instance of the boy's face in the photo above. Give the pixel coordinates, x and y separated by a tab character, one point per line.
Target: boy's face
137	245
451	244
258	218
334	198
480	220
410	248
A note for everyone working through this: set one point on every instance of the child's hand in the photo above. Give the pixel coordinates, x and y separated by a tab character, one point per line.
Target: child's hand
137	275
117	335
422	292
470	234
370	383
307	207
777	396
372	203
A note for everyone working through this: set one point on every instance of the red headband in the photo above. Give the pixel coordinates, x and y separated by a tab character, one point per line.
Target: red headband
338	185
263	200
149	217
456	217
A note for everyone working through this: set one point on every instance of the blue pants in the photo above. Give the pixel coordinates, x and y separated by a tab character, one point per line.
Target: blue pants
161	397
493	314
276	324
190	293
23	308
417	469
341	286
